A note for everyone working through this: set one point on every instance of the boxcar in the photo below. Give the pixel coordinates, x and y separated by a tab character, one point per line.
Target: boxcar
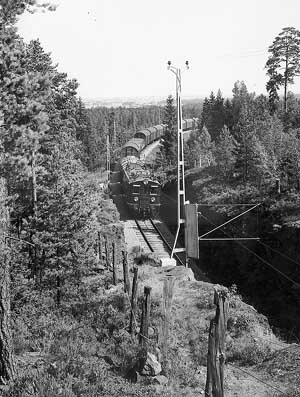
133	147
143	134
151	134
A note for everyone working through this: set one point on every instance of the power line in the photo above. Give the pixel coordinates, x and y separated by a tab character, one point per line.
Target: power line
256	255
280	253
255	377
242	370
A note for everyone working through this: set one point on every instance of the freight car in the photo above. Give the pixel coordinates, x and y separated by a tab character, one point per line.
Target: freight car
133	147
141	189
146	136
151	134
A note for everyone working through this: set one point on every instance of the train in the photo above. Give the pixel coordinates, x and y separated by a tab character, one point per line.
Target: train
141	188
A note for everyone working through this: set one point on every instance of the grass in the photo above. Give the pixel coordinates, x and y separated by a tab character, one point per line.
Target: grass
79	349
83	348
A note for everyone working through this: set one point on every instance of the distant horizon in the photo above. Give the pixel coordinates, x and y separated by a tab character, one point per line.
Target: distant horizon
162	98
120	49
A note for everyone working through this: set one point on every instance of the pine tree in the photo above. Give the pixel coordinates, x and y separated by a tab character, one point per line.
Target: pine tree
22	103
248	150
84	132
170	138
213	114
284	54
199	149
22	122
225	153
228	114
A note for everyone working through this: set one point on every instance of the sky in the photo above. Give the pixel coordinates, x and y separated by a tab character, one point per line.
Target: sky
120	48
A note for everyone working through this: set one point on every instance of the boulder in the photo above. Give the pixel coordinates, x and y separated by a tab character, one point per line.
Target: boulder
167	262
160	380
151	367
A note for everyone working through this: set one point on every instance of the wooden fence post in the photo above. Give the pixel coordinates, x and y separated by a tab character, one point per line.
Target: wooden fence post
114	263
99	247
145	317
168	290
216	346
126	273
133	301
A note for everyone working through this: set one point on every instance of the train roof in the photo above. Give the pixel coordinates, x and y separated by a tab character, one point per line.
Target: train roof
147	131
136	143
136	170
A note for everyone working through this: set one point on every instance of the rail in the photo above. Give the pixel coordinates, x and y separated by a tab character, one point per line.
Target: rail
144	236
166	242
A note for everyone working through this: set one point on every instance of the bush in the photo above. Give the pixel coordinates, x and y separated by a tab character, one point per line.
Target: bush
291	392
247	351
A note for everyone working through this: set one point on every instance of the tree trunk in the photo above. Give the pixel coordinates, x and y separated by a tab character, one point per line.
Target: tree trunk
286	80
6	357
34	187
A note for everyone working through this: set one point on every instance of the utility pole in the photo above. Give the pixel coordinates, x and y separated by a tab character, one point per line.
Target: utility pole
107	152
180	159
114	135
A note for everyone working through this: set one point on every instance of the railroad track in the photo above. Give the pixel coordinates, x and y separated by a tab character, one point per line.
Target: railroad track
155	238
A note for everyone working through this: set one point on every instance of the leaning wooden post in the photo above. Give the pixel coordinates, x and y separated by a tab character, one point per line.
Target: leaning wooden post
126	273
168	289
114	263
133	301
216	346
145	317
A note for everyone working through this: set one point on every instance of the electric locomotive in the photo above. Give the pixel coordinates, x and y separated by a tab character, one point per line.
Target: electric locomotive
142	190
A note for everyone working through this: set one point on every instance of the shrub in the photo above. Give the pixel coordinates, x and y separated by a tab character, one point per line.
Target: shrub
291	392
247	351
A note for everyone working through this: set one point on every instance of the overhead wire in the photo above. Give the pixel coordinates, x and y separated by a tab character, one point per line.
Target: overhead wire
280	253
255	254
255	377
238	368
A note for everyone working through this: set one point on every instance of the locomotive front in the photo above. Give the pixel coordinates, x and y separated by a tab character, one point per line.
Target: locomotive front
144	197
142	191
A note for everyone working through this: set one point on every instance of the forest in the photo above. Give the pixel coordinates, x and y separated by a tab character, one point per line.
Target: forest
55	330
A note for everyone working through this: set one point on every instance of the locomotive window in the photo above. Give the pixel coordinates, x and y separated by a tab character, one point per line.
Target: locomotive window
153	189
136	189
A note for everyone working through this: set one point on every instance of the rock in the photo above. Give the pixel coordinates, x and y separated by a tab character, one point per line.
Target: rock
158	354
179	272
151	367
151	332
99	268
138	378
167	262
160	380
